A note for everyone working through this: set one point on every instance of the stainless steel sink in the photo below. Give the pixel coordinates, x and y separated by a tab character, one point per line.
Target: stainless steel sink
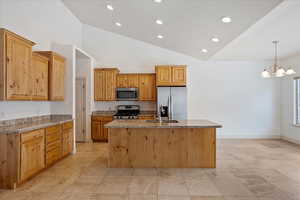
162	121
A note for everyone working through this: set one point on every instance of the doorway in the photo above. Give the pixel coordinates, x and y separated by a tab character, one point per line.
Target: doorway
80	109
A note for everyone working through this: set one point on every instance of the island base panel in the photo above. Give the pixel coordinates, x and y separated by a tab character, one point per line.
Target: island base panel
163	147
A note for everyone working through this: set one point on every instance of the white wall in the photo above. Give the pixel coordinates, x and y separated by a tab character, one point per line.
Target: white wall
46	23
231	93
289	131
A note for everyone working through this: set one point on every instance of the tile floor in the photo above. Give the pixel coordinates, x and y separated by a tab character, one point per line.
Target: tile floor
247	170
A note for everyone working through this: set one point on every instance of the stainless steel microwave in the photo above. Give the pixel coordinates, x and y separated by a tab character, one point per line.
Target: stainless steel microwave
127	94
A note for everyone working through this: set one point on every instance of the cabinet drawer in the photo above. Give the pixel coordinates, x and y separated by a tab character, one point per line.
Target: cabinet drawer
68	125
101	118
146	117
37	134
53	146
52	137
53	129
53	156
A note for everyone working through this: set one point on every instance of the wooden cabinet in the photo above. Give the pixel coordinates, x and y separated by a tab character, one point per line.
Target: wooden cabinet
39	73
57	64
105	82
67	138
15	64
147	89
99	132
53	144
127	80
32	153
170	75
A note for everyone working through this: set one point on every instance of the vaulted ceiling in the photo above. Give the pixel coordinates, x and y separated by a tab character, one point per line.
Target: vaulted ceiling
188	25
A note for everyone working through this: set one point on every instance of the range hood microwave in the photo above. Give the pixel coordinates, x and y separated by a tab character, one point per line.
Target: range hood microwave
127	94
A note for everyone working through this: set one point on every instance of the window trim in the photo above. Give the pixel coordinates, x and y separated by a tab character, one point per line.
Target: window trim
296	101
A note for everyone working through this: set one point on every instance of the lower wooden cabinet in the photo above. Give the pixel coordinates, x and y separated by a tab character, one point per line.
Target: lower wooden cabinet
146	117
67	139
32	153
23	155
99	132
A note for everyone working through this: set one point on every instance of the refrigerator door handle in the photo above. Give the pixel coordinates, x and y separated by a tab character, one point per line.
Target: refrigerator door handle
171	108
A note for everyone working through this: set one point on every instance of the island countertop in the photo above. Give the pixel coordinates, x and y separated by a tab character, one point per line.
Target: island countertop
146	124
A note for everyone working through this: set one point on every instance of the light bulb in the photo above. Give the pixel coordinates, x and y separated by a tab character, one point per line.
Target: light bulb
290	71
265	74
280	72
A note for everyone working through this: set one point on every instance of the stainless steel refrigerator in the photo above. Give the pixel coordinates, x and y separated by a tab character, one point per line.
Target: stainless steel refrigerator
176	100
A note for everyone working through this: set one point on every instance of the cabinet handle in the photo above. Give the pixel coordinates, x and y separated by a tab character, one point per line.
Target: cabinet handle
7	59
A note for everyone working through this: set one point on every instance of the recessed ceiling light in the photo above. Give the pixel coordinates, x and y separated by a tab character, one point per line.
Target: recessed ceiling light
158	21
160	37
118	24
226	19
204	50
215	39
109	7
157	1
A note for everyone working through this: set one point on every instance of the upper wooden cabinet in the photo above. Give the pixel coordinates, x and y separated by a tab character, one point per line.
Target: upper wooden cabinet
105	83
170	75
127	80
147	89
15	64
39	73
57	64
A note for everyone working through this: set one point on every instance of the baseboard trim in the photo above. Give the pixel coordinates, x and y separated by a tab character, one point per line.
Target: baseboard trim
295	141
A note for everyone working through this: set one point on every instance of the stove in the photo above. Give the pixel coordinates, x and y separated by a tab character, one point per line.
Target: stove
127	112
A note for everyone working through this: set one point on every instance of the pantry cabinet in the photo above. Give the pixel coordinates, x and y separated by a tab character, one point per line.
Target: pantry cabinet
170	75
147	89
57	65
39	73
105	83
15	65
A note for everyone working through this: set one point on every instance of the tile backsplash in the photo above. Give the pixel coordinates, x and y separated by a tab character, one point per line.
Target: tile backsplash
112	105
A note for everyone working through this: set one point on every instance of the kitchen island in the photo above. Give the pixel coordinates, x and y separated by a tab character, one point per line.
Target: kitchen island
145	144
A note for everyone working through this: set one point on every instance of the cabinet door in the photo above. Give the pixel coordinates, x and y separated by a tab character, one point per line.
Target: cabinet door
39	77
67	142
97	134
105	130
99	85
133	80
18	69
122	80
32	153
179	76
110	85
163	75
147	87
57	79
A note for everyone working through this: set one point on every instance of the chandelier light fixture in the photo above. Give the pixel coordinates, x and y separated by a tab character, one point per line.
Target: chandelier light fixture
276	70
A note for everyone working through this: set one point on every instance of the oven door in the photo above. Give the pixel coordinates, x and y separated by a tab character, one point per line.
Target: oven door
127	94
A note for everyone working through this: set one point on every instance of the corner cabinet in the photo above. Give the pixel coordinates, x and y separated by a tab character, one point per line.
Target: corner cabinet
147	89
105	83
99	132
15	64
57	64
170	75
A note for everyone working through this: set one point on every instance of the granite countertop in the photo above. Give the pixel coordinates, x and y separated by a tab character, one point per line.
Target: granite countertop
145	124
34	125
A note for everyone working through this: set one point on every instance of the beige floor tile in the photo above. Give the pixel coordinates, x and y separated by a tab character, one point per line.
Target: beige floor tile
109	197
166	172
201	186
145	172
142	197
172	186
114	185
207	198
119	172
143	185
173	197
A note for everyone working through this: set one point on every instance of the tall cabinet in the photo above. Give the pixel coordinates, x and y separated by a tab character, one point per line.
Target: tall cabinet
15	65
